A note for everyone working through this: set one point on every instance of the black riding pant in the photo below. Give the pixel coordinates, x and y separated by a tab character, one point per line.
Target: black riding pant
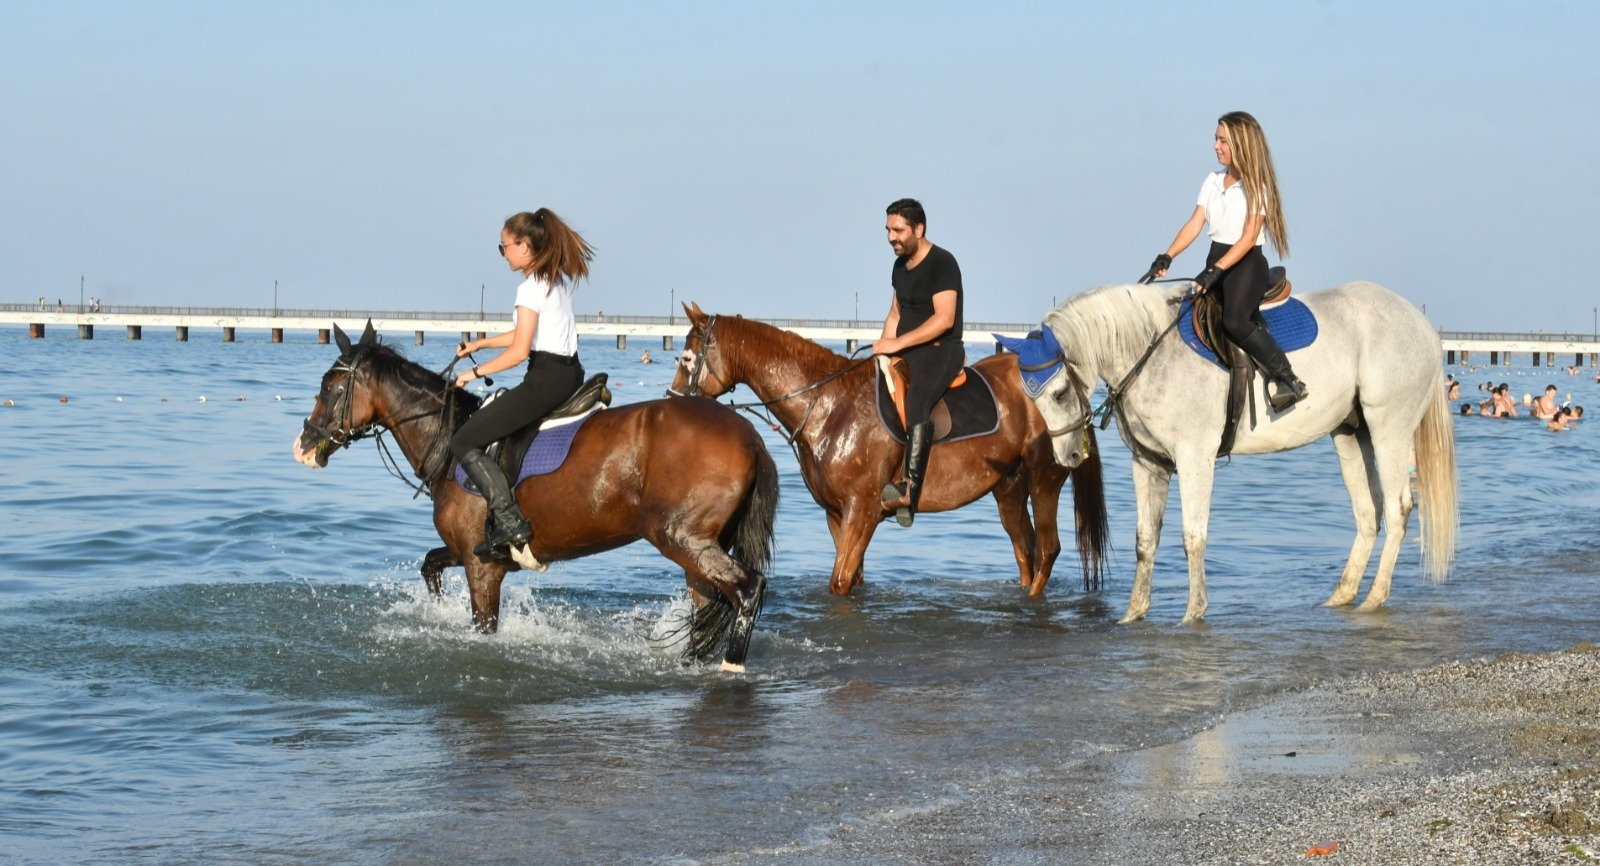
931	367
1243	286
551	379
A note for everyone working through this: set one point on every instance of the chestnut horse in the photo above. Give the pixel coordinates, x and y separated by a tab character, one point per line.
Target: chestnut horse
689	476
827	403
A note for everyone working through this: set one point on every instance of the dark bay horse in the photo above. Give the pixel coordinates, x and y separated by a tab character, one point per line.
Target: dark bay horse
689	476
826	401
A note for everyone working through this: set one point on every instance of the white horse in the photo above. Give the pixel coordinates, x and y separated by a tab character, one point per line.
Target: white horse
1373	377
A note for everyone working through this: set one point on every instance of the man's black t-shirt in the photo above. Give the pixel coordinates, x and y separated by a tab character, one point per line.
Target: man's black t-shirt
914	290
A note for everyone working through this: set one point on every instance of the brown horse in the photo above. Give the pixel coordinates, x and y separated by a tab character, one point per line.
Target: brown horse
826	402
689	476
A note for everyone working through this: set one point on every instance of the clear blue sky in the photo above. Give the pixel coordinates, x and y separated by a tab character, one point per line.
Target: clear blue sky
741	154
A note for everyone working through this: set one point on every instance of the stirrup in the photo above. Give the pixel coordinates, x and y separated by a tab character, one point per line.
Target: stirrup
1286	393
897	498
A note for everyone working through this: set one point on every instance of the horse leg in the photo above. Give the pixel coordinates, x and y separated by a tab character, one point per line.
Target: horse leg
1195	478
1044	483
1150	485
835	527
1353	449
705	563
483	584
856	526
1011	496
1391	454
433	565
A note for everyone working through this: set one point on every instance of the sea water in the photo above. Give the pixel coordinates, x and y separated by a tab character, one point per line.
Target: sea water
212	654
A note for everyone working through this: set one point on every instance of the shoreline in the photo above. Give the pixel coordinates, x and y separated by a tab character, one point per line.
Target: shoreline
1488	761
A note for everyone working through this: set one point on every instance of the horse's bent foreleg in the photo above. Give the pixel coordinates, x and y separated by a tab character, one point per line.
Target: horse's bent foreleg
1011	496
856	526
1150	485
1391	456
1196	476
1359	477
434	562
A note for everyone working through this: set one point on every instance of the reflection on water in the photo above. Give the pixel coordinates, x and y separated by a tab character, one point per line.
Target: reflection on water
209	653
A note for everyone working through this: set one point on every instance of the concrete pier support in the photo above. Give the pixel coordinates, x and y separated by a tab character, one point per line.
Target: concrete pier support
666	344
36	330
466	336
136	332
227	335
277	335
322	336
183	333
86	332
850	346
622	341
418	337
1494	359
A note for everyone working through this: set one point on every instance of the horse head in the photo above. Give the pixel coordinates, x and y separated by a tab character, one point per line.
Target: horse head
697	374
343	411
1061	401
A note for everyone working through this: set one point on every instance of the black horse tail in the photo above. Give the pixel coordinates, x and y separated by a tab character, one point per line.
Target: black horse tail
752	537
1089	507
750	545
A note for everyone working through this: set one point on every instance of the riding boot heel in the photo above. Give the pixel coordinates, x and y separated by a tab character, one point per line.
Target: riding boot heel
1261	346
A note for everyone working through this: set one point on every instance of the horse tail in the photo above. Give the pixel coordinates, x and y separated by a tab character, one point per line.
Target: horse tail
1439	496
752	535
1089	513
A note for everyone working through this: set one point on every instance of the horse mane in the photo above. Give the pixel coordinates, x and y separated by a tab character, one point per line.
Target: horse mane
1112	321
753	338
390	364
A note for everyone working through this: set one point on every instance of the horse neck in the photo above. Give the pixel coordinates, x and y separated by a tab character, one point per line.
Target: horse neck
774	363
412	412
1106	331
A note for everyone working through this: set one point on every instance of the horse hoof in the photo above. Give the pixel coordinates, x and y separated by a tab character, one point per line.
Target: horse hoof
730	667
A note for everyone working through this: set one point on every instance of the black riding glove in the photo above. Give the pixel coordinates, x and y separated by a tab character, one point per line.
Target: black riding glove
1161	263
1207	279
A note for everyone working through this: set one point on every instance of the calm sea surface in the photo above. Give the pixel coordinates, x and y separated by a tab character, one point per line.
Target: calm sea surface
211	654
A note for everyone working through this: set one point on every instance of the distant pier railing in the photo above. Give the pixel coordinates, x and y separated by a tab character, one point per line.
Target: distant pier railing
1492	348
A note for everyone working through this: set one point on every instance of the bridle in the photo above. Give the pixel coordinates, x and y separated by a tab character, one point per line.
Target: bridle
699	365
1086	411
343	434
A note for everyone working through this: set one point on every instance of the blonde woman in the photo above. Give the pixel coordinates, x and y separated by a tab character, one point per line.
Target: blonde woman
1240	209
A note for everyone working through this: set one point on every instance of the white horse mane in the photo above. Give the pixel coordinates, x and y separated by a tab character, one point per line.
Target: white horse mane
1112	322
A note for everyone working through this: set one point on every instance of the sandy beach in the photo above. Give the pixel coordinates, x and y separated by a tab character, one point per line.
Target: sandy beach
1488	762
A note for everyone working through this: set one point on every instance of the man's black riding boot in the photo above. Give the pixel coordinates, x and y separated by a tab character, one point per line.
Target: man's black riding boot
903	497
507	526
1260	346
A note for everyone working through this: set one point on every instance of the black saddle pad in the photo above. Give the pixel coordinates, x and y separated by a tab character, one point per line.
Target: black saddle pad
971	407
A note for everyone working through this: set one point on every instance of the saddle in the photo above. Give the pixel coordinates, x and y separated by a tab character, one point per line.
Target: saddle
510	453
966	410
1206	315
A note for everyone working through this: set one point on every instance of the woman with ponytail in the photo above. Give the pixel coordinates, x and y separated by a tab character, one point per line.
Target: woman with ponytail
1240	208
552	259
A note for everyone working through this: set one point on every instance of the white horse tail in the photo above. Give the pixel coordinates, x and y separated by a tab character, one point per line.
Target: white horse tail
1436	484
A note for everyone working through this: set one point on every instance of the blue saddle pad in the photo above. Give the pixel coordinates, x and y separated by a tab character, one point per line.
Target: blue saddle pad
1291	324
545	454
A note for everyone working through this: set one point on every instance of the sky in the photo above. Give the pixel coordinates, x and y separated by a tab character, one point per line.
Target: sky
740	154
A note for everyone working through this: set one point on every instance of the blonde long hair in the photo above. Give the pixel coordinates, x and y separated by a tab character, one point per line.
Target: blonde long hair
1253	161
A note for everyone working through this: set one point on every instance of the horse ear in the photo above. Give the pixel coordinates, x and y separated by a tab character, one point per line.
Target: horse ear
695	314
341	339
369	337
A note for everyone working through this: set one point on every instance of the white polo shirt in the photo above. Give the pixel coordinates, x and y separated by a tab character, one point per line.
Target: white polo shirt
556	331
1226	210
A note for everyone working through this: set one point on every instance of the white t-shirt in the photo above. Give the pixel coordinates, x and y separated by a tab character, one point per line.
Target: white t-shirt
1226	210
557	330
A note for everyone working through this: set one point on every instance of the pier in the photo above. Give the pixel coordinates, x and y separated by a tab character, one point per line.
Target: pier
1483	348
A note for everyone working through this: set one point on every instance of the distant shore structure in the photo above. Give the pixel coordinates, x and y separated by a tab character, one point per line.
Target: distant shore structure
1485	348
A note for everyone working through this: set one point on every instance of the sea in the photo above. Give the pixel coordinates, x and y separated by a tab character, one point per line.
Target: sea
211	654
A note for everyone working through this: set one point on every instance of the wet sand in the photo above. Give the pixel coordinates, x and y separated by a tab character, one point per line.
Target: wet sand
1493	761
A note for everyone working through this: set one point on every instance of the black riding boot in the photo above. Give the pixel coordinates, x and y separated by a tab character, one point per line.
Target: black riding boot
903	497
507	526
1260	346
